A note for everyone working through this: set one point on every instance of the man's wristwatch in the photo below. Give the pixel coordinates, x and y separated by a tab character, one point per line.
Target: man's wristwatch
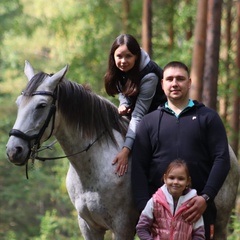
206	197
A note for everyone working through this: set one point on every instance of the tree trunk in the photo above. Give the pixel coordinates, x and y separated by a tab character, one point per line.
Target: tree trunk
189	24
238	36
235	123
125	17
224	100
147	26
212	53
199	51
170	25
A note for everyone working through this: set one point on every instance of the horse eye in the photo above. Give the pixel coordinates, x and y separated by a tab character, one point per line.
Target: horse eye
41	105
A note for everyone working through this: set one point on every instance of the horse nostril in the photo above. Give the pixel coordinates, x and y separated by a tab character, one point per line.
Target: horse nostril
16	155
19	150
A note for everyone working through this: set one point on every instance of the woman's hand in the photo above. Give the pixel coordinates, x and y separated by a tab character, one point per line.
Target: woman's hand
122	161
123	110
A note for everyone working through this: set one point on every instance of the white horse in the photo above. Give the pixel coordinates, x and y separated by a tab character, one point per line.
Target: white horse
91	133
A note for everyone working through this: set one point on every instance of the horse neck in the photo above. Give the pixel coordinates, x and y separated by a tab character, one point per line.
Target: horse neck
73	140
68	135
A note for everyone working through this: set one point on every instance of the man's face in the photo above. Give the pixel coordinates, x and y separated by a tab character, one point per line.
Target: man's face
176	83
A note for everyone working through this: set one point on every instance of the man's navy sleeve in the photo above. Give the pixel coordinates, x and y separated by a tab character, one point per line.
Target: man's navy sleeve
141	158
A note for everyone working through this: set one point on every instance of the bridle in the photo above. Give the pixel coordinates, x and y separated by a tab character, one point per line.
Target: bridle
37	137
35	148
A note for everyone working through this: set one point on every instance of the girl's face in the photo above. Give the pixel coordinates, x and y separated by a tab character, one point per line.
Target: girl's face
176	181
124	59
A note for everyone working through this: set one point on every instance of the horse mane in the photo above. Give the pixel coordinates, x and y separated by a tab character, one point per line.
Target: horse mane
34	83
90	113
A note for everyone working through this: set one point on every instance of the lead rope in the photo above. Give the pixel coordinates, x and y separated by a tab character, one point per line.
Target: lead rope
32	167
33	160
26	170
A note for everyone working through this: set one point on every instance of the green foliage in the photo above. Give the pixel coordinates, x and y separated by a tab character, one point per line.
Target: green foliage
53	227
182	16
235	225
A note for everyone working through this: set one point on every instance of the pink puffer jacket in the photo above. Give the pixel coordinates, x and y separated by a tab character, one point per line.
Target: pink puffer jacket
166	226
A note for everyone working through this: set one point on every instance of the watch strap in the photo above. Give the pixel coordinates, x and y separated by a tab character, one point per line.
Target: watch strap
206	197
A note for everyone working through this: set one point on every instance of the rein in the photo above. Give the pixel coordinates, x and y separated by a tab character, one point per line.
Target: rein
70	155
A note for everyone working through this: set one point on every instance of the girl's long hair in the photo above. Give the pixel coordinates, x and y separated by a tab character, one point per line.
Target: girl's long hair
114	75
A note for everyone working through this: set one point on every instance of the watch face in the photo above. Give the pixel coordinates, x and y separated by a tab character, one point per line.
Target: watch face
206	197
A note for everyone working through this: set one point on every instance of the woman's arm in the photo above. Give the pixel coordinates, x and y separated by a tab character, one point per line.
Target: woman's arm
147	91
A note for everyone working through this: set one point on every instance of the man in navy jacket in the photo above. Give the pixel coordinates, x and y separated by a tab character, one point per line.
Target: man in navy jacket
186	129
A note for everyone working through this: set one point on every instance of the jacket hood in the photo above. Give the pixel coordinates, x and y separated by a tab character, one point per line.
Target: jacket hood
198	104
145	59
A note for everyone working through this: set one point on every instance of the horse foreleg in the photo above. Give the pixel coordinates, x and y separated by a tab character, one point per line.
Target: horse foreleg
124	226
125	236
90	233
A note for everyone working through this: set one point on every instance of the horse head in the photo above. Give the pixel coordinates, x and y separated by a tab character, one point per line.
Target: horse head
35	117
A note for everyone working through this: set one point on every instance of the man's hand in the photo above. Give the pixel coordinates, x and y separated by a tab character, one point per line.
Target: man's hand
122	162
196	208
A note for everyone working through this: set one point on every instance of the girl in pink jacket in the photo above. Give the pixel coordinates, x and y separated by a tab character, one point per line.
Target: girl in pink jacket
161	218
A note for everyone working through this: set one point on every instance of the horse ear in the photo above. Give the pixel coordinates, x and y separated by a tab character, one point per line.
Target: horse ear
57	77
28	70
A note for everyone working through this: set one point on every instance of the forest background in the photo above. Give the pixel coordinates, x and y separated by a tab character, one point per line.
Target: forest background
50	34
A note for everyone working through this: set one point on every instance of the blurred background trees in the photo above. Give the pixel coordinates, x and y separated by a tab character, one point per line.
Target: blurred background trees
204	34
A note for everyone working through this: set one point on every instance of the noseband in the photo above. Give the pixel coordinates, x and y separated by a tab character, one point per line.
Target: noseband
37	137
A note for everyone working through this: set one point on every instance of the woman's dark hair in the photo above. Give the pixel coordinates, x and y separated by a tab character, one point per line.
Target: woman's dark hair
114	75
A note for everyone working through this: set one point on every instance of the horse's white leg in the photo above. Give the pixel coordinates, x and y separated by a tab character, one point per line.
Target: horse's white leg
226	199
90	233
126	236
127	233
74	187
124	226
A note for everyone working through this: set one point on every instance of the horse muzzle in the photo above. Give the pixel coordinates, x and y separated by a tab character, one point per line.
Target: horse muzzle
17	151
